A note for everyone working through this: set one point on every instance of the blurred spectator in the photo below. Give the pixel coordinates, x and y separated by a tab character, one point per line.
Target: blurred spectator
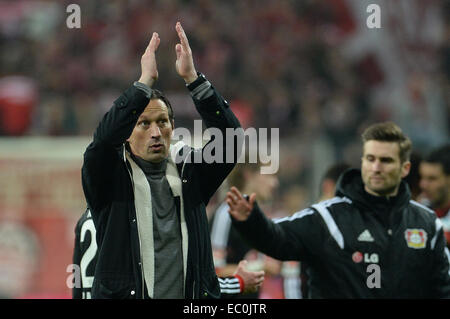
327	191
282	64
435	184
228	247
329	180
19	255
413	178
18	96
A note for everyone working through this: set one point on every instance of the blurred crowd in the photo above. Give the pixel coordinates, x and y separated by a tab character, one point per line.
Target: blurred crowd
310	68
281	64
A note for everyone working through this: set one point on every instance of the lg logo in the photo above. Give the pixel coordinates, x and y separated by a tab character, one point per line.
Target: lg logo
358	257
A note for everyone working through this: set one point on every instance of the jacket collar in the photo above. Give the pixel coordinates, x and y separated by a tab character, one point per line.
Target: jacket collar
351	185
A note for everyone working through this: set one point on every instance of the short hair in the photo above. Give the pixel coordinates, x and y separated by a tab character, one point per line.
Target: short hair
413	178
440	155
158	95
334	171
389	132
236	177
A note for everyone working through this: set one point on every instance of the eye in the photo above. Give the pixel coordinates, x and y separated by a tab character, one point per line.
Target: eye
162	122
387	160
143	123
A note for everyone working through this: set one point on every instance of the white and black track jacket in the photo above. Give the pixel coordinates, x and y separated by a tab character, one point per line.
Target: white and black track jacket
358	245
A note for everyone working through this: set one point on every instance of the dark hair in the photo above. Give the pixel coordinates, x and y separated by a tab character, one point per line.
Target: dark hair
237	178
158	95
413	178
389	132
440	155
334	171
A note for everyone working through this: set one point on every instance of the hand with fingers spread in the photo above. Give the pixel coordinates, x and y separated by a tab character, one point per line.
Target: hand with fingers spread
149	70
184	63
252	279
240	208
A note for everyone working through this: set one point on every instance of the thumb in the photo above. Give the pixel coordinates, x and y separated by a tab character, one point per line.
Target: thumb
252	199
242	263
240	266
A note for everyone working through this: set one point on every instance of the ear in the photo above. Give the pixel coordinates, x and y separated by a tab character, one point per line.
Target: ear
447	180
406	167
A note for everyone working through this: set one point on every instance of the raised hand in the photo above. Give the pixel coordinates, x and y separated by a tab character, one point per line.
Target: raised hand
240	208
184	63
149	70
252	279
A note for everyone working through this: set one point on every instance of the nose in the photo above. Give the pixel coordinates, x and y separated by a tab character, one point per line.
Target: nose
376	166
155	132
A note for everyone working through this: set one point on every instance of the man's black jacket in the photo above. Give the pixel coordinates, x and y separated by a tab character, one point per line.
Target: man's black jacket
351	239
108	187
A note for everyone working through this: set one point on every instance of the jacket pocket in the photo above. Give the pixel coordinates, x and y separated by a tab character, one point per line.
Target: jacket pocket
113	287
209	287
121	102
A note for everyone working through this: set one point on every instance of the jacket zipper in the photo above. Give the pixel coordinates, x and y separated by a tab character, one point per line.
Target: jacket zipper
389	255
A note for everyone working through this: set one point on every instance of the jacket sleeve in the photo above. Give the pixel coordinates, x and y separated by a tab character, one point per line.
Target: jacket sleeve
102	153
441	271
218	117
229	287
297	237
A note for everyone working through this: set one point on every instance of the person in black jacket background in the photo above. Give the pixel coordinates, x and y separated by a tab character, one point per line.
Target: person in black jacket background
85	254
435	184
370	241
147	195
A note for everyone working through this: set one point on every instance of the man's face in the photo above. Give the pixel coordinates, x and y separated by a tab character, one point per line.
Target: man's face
150	139
263	184
382	170
434	184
